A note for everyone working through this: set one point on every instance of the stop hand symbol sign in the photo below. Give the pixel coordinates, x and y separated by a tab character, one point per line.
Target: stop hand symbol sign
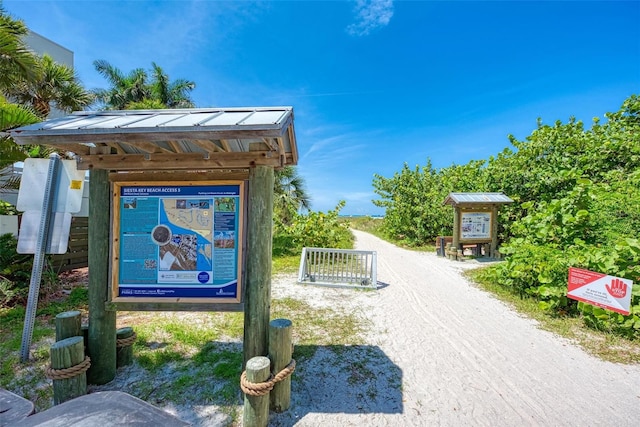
617	288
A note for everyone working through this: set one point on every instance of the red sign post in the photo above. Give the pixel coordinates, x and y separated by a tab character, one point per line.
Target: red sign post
613	293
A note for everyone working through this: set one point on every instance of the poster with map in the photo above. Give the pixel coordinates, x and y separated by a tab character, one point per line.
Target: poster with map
475	225
179	241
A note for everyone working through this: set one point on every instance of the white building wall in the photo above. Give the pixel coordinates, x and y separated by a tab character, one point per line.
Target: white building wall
60	54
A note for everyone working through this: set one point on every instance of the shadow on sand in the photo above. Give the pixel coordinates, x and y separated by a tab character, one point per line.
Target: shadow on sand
358	379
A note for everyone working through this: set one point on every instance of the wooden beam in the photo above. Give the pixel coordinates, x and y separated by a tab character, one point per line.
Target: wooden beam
114	146
208	175
172	306
181	161
206	145
225	145
147	146
294	146
271	143
175	146
124	136
72	147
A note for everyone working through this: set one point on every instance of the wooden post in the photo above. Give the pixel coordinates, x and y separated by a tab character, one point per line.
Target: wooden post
456	230
494	230
65	354
256	408
257	299
102	323
85	335
124	355
280	349
68	324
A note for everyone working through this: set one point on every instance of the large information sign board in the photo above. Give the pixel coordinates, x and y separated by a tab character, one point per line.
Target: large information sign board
610	292
177	241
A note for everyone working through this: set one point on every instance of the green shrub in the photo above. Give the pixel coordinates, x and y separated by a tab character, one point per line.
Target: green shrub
15	273
314	229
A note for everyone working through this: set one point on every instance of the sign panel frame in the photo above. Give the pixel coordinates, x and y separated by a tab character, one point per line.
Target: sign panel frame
177	243
599	289
476	226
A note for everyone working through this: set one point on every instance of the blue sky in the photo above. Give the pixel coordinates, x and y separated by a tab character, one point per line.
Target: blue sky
373	84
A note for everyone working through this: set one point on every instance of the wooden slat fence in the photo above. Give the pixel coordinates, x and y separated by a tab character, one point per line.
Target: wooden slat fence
77	255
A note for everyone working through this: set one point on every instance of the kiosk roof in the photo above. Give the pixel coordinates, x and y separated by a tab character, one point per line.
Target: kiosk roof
199	138
455	199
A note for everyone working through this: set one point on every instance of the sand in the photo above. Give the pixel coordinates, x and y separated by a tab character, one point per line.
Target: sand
441	352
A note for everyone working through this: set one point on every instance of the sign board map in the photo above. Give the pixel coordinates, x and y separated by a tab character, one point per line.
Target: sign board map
613	293
174	240
475	225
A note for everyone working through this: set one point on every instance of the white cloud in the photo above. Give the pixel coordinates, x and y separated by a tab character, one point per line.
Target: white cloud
370	15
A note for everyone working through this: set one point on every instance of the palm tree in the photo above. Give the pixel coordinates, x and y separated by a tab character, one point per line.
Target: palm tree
173	95
55	84
289	194
134	91
12	116
17	62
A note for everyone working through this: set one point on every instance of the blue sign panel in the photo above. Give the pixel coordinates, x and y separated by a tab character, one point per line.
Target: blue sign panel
178	241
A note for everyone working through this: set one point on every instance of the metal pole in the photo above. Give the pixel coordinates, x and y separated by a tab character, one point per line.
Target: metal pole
39	256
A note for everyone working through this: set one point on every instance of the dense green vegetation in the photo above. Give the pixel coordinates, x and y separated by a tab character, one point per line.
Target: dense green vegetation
577	194
313	229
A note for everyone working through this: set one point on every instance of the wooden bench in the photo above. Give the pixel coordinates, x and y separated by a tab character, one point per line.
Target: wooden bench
13	408
102	409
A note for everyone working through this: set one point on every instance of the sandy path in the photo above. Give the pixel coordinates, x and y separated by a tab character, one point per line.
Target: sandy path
441	352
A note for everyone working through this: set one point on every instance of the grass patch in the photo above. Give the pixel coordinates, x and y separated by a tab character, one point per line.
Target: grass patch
600	344
318	326
285	264
374	226
180	358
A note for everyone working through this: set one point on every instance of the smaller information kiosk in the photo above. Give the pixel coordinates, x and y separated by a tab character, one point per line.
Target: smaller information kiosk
475	219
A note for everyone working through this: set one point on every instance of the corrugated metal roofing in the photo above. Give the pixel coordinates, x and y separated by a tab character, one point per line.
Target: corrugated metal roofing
478	198
216	133
260	118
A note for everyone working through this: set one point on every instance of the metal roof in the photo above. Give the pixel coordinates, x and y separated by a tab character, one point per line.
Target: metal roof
476	198
205	138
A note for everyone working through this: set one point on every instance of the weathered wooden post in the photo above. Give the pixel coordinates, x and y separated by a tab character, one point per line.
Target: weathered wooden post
68	324
256	408
494	231
67	381
258	277
102	323
280	350
455	244
124	346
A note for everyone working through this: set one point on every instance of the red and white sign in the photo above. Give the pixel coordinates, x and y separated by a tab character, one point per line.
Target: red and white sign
601	290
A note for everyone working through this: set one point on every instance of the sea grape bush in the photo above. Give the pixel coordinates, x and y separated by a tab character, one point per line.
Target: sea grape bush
577	204
313	229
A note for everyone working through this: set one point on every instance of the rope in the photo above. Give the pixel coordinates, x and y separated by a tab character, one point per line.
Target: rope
262	389
67	373
125	342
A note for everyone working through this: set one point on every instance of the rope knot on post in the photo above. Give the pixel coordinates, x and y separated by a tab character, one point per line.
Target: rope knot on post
263	388
125	342
66	373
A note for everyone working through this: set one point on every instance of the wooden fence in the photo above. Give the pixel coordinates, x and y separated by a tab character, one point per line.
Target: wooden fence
77	255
